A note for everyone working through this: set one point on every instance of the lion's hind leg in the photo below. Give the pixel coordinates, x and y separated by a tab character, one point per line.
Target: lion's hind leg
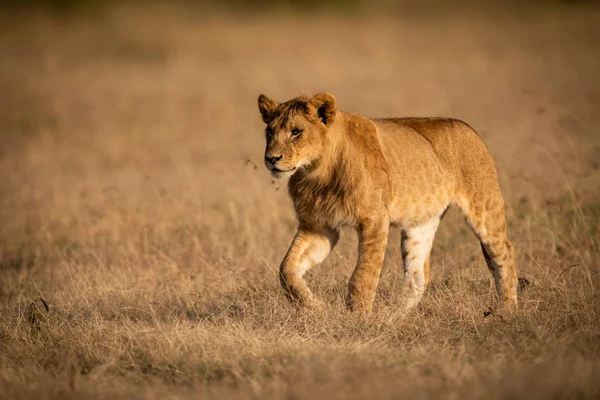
416	247
485	215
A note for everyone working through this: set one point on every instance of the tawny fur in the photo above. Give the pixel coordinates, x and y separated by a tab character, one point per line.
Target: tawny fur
349	170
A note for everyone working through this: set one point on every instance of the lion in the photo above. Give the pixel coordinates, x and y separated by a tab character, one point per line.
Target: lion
348	170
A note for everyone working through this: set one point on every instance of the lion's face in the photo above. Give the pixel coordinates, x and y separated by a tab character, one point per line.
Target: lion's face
296	131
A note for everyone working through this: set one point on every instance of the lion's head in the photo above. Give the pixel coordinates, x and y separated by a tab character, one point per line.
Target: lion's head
296	131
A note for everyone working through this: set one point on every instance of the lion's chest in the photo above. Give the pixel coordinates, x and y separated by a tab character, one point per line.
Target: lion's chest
322	205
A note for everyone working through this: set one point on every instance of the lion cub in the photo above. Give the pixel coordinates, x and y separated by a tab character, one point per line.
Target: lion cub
349	170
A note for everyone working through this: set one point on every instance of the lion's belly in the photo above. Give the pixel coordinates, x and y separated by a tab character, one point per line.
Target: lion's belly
408	210
417	195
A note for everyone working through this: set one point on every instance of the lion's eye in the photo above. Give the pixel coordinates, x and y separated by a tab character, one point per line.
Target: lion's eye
296	132
269	133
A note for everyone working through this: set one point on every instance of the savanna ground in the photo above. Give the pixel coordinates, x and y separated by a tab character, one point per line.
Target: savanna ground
134	202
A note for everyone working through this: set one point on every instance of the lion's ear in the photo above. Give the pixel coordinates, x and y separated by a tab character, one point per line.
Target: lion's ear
266	106
326	106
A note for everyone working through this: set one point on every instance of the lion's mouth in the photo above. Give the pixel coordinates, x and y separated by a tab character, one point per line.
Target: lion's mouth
282	172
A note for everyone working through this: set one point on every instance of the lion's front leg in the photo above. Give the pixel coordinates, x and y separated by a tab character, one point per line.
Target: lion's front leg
308	249
372	237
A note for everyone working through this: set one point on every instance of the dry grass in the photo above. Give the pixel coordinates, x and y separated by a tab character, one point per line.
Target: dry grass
127	205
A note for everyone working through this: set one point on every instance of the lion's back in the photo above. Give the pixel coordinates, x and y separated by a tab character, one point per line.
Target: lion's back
452	143
436	159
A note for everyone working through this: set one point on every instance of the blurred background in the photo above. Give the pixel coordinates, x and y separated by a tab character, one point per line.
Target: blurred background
128	119
150	106
187	73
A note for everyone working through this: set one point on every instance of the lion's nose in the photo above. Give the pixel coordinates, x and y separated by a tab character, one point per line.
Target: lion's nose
273	159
